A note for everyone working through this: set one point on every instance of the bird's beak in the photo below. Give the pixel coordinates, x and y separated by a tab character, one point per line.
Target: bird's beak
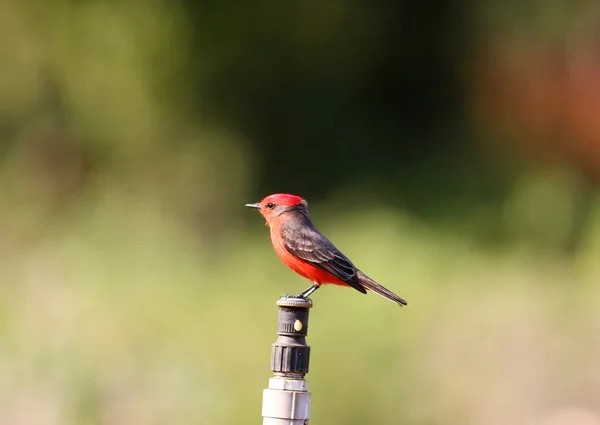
255	205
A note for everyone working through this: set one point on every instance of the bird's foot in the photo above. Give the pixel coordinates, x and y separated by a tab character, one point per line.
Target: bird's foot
304	294
295	296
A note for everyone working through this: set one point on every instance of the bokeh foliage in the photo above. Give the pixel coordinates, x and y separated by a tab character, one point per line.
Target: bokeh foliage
132	279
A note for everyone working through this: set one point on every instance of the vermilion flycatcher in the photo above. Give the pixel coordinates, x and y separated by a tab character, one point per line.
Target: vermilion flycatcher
307	252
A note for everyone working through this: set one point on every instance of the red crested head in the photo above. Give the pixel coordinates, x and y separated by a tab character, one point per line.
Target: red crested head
272	206
284	199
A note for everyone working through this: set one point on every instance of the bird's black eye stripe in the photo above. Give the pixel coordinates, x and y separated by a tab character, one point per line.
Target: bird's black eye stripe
270	205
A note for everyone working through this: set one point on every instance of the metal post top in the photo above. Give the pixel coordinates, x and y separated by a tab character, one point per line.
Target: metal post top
291	301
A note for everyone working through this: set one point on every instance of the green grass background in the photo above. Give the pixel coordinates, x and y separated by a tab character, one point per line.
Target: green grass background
136	289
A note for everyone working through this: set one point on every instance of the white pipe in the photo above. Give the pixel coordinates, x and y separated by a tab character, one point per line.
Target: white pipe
286	402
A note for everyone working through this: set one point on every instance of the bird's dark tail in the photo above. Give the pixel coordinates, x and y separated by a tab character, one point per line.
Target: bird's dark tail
370	284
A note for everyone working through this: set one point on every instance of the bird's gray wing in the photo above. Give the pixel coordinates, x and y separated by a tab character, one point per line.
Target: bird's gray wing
305	242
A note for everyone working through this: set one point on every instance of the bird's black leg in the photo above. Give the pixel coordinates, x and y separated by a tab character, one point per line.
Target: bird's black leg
308	291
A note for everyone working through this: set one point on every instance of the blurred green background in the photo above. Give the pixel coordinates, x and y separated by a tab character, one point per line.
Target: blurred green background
451	149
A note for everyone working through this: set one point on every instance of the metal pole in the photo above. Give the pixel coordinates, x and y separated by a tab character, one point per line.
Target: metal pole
287	401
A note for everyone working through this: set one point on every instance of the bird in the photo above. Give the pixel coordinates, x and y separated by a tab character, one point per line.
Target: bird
307	252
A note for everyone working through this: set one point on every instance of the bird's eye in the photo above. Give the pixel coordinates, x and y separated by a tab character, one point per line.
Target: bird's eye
270	205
